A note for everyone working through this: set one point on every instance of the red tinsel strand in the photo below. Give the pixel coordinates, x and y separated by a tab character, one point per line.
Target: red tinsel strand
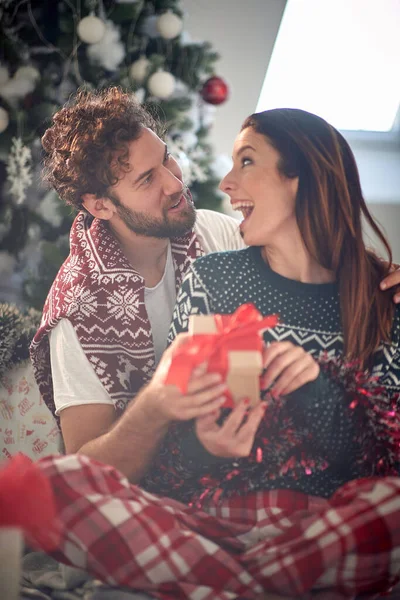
377	417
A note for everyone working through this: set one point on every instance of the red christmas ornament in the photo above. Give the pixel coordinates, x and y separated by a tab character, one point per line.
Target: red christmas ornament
215	91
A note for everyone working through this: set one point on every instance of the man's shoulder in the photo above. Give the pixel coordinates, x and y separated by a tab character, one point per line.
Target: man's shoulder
205	215
217	231
215	220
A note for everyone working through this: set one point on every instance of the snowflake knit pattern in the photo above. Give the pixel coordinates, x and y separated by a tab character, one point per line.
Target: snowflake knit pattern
103	297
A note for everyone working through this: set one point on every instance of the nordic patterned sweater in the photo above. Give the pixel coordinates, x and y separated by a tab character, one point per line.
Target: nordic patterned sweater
316	414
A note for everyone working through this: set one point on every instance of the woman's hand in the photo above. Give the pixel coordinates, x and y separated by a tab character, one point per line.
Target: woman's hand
288	367
235	437
166	403
393	281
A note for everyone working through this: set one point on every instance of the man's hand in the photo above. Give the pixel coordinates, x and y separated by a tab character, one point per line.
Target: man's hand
235	437
165	403
288	367
393	281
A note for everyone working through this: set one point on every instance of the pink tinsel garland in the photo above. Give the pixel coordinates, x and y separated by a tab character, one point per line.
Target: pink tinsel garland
282	449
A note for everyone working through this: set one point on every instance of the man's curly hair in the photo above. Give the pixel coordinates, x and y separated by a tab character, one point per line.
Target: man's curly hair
87	145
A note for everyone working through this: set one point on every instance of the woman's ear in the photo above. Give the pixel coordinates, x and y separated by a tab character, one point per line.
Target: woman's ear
100	208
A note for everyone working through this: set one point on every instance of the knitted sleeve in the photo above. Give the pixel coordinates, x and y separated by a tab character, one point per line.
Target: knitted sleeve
192	299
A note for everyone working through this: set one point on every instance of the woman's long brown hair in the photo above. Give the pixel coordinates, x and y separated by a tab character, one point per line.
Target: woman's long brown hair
329	209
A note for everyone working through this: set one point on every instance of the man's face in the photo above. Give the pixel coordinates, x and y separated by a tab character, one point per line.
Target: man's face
151	199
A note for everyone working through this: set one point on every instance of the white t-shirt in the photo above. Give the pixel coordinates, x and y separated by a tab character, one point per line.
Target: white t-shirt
74	380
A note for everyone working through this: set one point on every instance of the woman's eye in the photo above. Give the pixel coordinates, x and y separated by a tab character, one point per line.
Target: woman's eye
246	161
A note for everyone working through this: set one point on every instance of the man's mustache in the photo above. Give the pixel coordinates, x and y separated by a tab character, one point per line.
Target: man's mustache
183	192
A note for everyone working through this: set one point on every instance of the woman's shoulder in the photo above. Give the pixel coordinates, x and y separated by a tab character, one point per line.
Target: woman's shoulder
230	261
219	271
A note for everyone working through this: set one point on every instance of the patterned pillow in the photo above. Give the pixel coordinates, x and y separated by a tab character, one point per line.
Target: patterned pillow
26	424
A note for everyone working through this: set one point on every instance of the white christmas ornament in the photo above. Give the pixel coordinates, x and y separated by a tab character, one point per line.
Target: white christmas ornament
27	72
17	88
4	75
91	29
110	51
161	84
169	25
139	69
4	119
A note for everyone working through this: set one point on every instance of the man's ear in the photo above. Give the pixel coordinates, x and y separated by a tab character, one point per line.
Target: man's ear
101	208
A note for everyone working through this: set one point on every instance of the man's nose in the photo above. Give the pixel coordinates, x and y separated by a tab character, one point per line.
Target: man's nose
173	177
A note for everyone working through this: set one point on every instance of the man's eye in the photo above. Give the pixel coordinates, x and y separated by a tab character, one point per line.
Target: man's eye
148	179
167	157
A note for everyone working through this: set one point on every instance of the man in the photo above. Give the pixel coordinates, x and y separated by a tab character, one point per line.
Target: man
107	315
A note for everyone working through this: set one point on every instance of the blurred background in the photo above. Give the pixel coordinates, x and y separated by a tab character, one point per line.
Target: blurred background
203	66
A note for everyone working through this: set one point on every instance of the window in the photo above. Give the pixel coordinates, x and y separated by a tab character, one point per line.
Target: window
339	59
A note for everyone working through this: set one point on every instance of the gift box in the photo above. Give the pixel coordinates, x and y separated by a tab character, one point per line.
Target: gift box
27	508
230	345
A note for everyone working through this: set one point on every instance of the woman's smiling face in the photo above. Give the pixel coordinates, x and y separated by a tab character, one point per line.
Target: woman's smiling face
259	190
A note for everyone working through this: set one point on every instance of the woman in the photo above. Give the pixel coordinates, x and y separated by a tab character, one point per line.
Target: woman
270	520
295	180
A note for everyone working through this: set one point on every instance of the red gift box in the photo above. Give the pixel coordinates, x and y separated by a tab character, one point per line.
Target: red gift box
27	506
231	345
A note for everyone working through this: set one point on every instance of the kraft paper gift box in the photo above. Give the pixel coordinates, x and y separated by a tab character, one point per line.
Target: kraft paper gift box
230	345
244	367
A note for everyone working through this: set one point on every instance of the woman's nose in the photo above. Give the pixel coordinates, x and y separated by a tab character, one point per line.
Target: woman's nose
227	183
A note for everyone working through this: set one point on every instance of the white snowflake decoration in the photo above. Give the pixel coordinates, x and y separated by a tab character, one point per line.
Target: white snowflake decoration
188	157
19	170
49	209
110	51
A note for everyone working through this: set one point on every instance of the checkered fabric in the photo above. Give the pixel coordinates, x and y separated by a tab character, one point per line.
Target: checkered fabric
278	541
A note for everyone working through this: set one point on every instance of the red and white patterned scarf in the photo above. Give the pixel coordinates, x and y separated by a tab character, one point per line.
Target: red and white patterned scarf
103	297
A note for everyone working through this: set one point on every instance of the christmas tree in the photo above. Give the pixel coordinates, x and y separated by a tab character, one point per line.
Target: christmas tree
49	50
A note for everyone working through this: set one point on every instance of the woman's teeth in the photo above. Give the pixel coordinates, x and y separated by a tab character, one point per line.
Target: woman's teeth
246	208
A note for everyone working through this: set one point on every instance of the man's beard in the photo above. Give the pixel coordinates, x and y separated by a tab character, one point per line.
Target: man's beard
163	227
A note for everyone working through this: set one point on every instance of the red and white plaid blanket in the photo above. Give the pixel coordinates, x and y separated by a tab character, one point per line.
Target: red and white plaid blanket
279	541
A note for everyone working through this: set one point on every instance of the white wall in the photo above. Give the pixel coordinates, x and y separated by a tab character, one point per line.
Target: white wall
388	217
244	32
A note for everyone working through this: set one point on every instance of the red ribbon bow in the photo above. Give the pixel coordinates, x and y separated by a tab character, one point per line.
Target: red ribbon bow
240	331
27	502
